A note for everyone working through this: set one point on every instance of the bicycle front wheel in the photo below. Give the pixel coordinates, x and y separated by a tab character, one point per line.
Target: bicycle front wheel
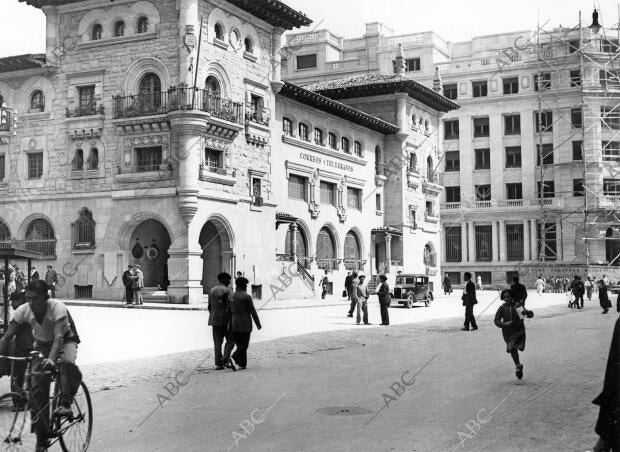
15	424
74	431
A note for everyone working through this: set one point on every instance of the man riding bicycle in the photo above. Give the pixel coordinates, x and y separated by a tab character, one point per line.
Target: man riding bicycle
56	338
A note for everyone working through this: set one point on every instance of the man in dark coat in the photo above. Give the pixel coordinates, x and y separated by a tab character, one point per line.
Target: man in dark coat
241	314
219	298
578	289
349	284
608	422
51	278
384	300
469	300
127	283
519	292
34	274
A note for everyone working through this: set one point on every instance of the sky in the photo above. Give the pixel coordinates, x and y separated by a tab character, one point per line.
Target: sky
22	27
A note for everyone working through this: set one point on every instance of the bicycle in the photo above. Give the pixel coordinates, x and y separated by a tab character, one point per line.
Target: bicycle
16	427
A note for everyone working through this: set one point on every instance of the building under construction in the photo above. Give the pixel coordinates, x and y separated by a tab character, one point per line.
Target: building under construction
531	160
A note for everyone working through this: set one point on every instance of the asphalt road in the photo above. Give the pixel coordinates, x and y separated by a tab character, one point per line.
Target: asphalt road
411	387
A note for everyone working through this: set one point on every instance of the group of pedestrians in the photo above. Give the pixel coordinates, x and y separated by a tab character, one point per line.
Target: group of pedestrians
231	315
356	289
133	280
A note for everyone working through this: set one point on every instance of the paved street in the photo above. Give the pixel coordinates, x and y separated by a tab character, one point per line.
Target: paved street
325	379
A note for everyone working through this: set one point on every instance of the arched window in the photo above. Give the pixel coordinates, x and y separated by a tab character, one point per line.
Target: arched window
430	170
93	159
143	24
248	46
413	162
97	32
219	32
357	148
287	127
426	128
345	145
212	87
318	137
414	122
302	244
119	28
37	101
333	141
352	251
5	233
83	230
325	249
2	101
40	237
303	132
78	160
150	92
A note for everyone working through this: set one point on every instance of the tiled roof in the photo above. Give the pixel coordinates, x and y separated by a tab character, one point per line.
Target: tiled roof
377	84
21	62
337	108
273	12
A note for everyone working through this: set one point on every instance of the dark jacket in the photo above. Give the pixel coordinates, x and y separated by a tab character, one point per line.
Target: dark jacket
219	298
242	312
607	424
348	283
578	288
519	292
469	297
51	277
35	275
603	298
384	294
127	279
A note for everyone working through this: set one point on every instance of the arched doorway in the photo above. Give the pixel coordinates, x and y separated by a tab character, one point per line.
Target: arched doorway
301	248
612	245
149	246
352	252
325	249
217	256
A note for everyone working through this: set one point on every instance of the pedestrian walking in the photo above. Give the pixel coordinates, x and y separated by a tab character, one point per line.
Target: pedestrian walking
383	292
608	422
509	317
606	280
540	284
578	289
469	300
127	282
324	285
479	282
347	286
352	293
603	297
519	291
362	303
589	287
218	306
241	314
51	278
447	285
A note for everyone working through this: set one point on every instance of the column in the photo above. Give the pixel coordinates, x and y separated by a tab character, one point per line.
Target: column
276	58
494	244
526	240
503	252
388	252
472	243
53	51
534	240
401	112
463	242
293	229
189	32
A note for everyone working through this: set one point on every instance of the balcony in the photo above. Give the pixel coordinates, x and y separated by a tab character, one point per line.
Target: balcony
431	186
328	264
430	217
91	109
258	115
85	121
512	203
609	201
257	121
47	248
482	204
451	205
218	175
140	105
354	264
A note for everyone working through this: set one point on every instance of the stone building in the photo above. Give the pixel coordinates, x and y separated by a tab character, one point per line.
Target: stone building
504	209
160	133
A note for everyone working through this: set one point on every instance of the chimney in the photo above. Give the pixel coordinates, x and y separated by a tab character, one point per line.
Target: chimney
437	85
400	67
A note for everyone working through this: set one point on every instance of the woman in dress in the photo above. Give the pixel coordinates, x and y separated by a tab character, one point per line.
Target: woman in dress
603	297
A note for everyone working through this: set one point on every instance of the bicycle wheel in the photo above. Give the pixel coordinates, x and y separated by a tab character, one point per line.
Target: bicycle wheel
15	426
74	432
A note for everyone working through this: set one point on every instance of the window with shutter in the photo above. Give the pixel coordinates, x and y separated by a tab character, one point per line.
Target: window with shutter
325	248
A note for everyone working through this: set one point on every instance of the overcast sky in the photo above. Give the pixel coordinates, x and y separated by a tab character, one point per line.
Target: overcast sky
22	27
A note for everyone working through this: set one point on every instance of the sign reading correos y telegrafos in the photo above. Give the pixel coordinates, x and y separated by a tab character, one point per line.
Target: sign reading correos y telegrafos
325	162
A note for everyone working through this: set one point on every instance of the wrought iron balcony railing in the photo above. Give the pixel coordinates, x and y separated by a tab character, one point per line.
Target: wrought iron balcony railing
258	115
85	110
47	247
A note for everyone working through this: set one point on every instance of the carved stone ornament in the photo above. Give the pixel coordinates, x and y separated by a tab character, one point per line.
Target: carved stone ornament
342	213
314	209
214	143
190	38
149	140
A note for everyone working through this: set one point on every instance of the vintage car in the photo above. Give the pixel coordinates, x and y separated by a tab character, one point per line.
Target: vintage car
412	288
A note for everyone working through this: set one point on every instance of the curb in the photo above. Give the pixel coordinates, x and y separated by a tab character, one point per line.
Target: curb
118	305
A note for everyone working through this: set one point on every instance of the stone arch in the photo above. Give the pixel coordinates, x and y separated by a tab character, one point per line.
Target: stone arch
5	231
221	75
353	248
130	223
23	227
248	31
149	244
216	241
304	232
218	16
140	9
334	233
429	251
135	72
29	87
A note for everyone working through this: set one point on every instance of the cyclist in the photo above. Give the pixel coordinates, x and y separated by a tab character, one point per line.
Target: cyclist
56	338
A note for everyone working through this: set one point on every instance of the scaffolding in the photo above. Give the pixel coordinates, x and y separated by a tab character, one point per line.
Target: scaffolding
598	79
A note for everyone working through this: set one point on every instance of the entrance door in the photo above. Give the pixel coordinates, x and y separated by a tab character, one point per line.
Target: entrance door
149	246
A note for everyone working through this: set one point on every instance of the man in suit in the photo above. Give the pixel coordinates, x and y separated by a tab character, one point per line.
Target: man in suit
127	283
51	278
347	285
242	312
34	274
469	300
578	290
383	293
219	299
352	291
519	292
